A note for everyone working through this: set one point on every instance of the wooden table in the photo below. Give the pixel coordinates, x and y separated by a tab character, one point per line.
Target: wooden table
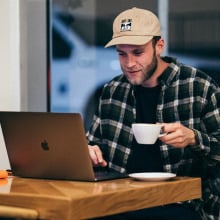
67	200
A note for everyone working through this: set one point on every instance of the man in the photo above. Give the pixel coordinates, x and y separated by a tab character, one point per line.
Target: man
155	89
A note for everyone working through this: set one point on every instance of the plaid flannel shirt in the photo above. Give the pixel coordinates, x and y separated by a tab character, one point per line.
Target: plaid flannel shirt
187	96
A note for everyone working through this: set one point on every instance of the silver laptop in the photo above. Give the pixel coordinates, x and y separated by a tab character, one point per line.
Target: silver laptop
49	146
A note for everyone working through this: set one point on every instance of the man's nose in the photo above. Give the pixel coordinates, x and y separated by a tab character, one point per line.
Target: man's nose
130	61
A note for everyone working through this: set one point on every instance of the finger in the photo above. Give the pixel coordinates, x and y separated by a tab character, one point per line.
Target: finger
170	127
100	159
103	163
173	140
93	156
96	156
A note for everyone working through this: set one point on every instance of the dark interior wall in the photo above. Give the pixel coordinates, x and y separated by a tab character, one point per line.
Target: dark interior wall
194	6
194	26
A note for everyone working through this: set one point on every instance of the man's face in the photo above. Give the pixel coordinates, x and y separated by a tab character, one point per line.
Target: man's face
138	62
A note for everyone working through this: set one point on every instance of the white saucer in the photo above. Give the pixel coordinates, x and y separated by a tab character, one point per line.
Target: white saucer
148	176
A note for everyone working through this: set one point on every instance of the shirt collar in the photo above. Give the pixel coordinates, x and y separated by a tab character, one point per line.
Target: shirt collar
170	72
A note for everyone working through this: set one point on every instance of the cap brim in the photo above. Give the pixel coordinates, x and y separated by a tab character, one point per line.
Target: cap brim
131	40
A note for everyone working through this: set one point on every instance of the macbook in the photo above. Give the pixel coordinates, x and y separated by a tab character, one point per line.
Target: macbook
49	146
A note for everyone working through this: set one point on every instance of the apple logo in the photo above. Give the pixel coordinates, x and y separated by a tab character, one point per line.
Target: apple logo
44	145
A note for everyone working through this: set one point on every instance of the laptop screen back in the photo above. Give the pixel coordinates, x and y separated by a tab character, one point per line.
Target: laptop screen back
47	145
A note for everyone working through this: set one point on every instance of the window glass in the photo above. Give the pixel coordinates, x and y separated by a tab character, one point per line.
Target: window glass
80	64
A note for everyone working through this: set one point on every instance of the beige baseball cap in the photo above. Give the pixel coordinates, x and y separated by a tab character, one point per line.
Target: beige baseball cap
134	26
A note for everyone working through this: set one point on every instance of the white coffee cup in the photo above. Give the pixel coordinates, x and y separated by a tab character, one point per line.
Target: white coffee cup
146	133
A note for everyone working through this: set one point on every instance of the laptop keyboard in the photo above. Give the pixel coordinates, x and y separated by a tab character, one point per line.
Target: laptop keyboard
105	175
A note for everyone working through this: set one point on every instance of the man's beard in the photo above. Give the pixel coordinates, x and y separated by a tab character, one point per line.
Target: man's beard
146	75
152	67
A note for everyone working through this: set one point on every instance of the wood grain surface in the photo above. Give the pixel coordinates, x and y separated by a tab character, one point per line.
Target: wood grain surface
67	200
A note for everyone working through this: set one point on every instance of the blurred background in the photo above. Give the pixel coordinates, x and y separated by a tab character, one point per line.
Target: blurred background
80	65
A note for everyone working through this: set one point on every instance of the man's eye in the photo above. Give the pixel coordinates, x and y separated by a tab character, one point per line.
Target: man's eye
138	53
121	54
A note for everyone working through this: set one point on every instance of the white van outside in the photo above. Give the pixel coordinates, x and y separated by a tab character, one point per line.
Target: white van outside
76	75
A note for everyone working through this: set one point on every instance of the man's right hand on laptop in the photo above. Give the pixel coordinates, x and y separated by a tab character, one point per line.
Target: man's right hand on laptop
96	156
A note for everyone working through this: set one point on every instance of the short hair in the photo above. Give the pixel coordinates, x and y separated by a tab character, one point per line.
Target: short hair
155	39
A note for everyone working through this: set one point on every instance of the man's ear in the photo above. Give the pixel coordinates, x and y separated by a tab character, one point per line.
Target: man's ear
160	46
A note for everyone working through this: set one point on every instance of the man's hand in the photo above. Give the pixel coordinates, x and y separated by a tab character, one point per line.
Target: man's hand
178	135
96	156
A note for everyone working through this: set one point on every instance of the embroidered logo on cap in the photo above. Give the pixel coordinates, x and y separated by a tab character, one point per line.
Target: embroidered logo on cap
126	25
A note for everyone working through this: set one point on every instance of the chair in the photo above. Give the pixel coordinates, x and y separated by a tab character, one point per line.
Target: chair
9	213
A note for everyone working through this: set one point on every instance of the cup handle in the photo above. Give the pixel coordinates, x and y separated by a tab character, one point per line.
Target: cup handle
162	134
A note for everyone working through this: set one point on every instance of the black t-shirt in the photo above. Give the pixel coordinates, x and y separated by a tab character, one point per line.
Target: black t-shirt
145	158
